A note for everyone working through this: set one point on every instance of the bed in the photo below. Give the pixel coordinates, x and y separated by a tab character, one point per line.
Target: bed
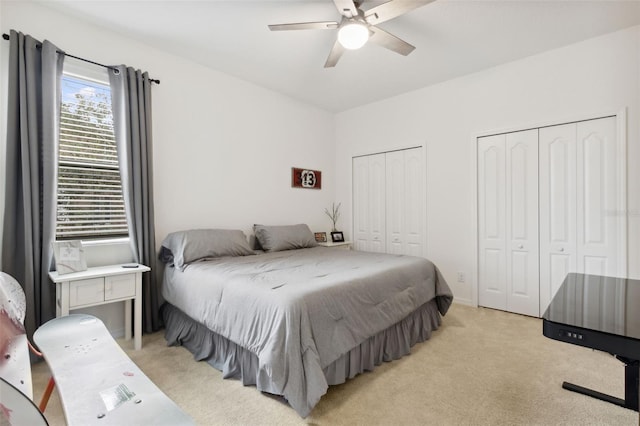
293	318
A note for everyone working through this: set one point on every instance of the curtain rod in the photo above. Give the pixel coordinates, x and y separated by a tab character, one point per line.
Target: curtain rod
6	37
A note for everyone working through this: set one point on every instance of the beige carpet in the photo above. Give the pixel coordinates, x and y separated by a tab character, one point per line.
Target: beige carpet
482	367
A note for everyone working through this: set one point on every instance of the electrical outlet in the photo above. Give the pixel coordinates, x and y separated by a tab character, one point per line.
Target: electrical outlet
461	277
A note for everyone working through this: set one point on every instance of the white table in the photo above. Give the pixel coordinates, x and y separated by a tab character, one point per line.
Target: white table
97	382
102	285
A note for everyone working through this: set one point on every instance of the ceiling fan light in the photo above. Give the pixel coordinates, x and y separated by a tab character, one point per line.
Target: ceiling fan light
353	35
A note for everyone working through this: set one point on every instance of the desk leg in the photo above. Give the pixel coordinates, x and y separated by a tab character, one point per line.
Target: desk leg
631	381
631	384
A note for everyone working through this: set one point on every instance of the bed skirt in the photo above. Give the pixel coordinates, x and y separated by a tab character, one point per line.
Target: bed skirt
239	363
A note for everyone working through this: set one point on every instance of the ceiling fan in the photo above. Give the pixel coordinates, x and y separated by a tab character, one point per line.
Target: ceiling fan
358	26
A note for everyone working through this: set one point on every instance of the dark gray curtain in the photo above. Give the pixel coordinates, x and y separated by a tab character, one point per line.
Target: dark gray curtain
33	112
131	103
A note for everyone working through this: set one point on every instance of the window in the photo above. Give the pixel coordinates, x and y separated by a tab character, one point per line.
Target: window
90	201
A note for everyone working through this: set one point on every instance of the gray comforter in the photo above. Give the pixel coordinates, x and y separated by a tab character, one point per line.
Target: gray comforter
300	310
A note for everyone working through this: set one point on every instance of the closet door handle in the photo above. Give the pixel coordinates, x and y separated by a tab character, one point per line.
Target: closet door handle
561	249
520	246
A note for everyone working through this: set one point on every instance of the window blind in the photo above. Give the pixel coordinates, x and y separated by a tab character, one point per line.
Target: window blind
90	201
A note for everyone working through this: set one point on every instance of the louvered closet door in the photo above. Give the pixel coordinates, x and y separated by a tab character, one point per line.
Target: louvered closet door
492	241
521	196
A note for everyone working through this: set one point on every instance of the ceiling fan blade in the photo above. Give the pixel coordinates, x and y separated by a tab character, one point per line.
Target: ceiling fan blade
347	8
329	25
334	55
392	9
389	41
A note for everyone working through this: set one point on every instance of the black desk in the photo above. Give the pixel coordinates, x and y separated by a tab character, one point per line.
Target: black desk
601	313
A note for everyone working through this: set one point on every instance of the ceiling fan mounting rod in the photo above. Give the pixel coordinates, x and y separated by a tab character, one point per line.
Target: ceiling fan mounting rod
353	20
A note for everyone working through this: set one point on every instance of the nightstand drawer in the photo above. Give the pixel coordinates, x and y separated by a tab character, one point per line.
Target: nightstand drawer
119	286
86	292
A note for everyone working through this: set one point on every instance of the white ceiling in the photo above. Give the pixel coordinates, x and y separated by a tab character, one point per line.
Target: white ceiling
452	38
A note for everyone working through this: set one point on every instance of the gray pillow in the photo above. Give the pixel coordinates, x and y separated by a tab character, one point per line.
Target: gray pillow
278	238
195	244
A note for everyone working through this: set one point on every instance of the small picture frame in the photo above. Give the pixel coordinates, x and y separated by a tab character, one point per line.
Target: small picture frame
321	237
69	256
337	237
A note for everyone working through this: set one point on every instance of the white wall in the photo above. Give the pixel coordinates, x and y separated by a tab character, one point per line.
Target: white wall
597	76
223	148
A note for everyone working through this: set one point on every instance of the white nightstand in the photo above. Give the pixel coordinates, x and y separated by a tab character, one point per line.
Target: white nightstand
343	244
99	286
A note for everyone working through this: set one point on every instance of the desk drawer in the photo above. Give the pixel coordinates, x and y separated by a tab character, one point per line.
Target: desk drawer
119	286
86	292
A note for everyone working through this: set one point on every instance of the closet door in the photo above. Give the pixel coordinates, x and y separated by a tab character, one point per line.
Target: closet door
395	202
574	214
360	186
521	195
369	203
508	222
377	214
492	240
389	202
579	192
414	202
597	197
405	202
558	211
599	250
